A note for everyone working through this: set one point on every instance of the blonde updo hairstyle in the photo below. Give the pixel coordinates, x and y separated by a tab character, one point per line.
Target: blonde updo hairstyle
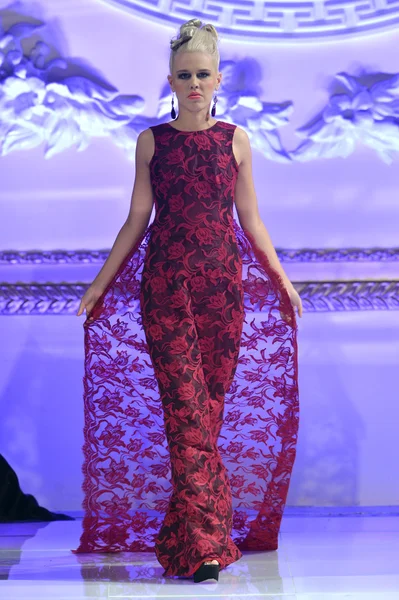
193	37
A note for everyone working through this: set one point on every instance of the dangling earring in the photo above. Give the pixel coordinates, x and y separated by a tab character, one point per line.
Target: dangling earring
173	112
213	111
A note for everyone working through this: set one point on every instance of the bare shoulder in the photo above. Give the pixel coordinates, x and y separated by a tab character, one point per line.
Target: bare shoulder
241	145
145	146
241	137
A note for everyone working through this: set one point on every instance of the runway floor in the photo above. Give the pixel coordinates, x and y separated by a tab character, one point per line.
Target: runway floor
319	558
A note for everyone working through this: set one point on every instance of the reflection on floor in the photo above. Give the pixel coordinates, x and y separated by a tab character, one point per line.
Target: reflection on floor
319	558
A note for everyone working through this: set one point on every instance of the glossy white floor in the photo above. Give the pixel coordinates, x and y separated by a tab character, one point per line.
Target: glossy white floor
319	558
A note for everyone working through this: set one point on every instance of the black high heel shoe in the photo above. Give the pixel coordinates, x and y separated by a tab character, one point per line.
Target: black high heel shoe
206	571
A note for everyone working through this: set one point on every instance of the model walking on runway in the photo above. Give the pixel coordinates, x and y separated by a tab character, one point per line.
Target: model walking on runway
171	346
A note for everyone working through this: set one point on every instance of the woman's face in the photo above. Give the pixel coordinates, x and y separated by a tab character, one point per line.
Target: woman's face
194	71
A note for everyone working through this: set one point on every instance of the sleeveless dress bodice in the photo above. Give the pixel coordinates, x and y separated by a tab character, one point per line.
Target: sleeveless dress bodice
193	176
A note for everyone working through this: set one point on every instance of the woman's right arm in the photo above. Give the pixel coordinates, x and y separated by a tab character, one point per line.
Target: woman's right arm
141	205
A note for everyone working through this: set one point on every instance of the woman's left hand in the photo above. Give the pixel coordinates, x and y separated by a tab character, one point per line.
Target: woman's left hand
295	298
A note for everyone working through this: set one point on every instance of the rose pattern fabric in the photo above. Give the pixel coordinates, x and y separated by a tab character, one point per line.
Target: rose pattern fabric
191	375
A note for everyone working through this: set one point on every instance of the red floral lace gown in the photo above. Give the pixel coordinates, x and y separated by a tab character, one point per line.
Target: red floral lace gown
190	383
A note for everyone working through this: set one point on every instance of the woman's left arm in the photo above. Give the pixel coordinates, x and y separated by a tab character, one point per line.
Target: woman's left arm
248	213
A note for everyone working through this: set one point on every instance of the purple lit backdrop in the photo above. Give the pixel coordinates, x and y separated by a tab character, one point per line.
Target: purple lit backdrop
348	360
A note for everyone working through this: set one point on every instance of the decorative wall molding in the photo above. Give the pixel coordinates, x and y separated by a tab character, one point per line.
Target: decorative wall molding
38	104
275	20
302	255
321	296
40	299
339	255
42	100
364	110
52	257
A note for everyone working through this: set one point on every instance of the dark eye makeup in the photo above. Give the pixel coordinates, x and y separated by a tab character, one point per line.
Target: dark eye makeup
183	75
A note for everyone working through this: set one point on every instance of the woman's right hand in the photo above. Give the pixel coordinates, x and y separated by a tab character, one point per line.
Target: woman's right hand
89	300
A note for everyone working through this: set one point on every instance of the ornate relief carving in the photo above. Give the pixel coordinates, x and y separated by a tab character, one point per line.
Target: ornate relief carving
325	296
277	20
364	110
301	255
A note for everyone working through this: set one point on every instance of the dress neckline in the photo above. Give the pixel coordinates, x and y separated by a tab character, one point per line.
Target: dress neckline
195	131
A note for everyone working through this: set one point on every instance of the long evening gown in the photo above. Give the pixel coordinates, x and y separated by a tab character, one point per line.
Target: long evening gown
191	375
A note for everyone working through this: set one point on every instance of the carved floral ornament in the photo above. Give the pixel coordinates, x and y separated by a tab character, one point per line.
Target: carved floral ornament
38	105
